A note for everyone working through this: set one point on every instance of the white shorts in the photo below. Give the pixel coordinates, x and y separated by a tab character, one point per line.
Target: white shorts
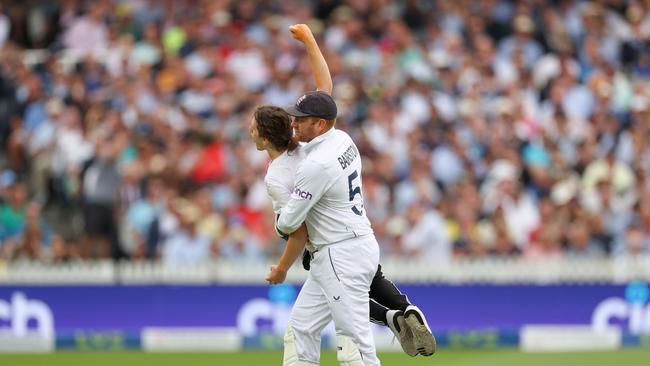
337	288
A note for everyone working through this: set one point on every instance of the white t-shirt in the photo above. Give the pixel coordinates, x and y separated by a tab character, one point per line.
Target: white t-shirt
279	180
327	192
280	177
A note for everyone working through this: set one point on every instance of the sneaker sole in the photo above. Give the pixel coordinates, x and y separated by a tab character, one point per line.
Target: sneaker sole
411	351
424	341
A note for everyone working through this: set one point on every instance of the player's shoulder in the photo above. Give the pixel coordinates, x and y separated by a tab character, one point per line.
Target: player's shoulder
334	141
313	165
341	136
325	155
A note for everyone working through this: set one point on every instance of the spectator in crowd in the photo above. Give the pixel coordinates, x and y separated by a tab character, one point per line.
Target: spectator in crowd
185	246
88	33
36	235
12	218
99	187
140	215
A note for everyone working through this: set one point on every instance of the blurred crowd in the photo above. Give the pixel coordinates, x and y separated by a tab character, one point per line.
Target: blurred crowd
487	128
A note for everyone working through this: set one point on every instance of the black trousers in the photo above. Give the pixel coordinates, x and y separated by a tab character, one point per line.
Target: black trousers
384	296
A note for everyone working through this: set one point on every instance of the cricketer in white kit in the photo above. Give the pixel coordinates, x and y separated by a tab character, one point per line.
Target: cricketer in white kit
326	207
327	197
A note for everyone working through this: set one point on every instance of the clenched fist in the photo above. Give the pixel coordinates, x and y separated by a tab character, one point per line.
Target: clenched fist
301	32
276	275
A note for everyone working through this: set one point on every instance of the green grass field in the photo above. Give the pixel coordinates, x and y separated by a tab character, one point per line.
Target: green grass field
628	357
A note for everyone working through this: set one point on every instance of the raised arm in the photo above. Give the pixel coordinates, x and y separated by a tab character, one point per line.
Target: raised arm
319	68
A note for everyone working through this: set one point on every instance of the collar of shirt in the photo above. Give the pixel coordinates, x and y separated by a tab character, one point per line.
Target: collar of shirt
318	139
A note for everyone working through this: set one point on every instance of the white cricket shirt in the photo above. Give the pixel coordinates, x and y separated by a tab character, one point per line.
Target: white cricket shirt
327	192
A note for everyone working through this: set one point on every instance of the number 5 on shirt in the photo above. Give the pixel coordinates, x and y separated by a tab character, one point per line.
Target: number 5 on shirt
354	191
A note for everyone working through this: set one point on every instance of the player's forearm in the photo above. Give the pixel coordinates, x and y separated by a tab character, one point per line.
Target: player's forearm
319	68
294	248
288	223
312	181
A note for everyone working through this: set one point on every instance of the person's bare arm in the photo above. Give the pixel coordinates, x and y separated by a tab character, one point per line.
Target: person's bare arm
319	68
294	248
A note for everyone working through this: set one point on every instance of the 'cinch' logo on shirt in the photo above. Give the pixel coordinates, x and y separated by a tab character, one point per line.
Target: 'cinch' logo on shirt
302	194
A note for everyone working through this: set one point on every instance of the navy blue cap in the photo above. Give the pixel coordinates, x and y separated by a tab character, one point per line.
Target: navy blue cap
314	104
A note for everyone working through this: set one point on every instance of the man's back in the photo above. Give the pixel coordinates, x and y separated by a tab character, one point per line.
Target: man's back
328	188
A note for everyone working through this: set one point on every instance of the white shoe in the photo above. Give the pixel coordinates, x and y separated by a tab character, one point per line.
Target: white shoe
425	342
396	323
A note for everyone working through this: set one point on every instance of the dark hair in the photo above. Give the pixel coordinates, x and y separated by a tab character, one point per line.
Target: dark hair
274	124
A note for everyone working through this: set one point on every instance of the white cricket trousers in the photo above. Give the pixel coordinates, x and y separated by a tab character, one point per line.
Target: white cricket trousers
337	288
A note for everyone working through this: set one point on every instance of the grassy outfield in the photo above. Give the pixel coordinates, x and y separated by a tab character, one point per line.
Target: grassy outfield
628	357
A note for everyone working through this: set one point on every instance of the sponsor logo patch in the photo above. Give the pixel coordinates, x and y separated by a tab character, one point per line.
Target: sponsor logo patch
302	194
